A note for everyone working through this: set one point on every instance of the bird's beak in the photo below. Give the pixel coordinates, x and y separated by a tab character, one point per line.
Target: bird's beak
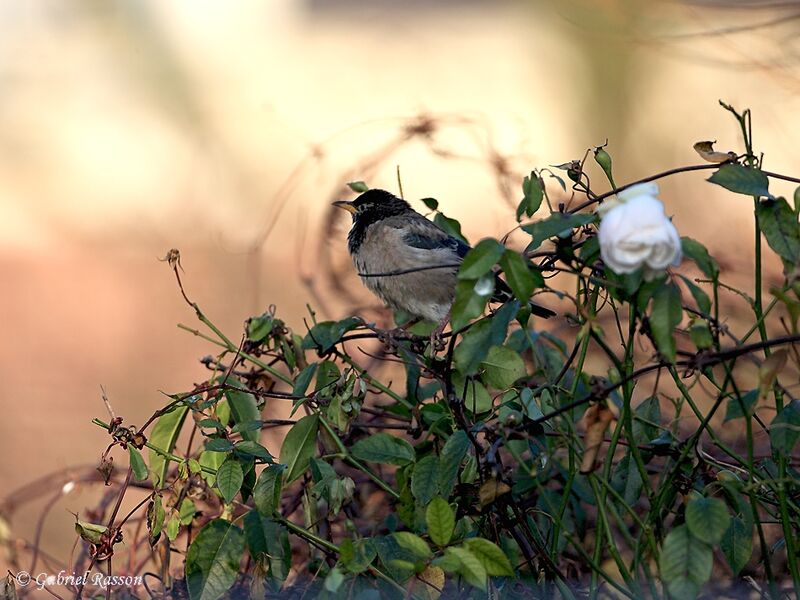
348	206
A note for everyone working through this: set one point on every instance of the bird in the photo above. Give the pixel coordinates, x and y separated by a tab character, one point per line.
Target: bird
408	261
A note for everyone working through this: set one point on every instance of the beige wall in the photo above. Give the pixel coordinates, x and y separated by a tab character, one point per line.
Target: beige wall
130	128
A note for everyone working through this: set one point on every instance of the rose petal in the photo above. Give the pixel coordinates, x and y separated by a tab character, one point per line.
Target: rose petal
649	188
636	233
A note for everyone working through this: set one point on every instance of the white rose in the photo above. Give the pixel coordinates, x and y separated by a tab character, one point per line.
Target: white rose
634	232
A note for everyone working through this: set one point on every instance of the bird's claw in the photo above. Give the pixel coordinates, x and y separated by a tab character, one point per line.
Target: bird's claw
437	341
390	338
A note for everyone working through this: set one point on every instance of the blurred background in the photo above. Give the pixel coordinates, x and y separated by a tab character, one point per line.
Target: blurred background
226	129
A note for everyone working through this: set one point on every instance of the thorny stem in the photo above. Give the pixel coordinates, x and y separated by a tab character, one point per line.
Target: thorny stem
224	340
346	456
611	527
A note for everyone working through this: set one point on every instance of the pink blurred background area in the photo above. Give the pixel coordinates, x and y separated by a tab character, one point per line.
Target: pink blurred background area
225	130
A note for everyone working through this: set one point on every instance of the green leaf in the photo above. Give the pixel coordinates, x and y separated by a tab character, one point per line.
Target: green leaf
304	379
333	580
784	431
268	540
359	187
173	528
627	480
471	299
778	223
700	297
326	334
476	397
685	563
471	568
90	532
210	424
212	563
431	203
229	479
741	180
299	446
529	404
492	558
137	463
447	562
501	319
219	445
267	492
450	226
187	512
646	419
476	341
441	521
249	470
603	159
399	562
480	259
737	544
244	408
211	460
258	328
164	435
321	472
739	407
155	518
697	252
223	412
665	316
707	519
502	367
356	556
470	471
385	449
533	193
253	449
590	251
453	452
249	426
645	290
522	279
557	224
327	374
288	350
414	544
425	479
474	346
700	334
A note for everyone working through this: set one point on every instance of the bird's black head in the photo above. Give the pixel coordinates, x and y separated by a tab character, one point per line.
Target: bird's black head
374	205
371	207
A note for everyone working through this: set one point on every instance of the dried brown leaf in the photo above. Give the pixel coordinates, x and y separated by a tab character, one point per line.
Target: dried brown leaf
491	490
432	583
706	151
595	420
770	369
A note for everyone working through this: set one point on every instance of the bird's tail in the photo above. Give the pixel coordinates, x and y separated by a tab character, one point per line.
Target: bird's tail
503	293
541	311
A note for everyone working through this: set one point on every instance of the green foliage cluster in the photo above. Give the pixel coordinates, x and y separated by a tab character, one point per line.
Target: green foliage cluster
475	470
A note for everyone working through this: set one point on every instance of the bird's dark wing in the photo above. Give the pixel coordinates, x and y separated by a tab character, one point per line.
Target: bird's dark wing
503	293
423	234
420	233
426	242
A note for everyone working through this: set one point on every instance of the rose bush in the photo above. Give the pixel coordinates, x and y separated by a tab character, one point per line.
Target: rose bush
635	232
629	448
